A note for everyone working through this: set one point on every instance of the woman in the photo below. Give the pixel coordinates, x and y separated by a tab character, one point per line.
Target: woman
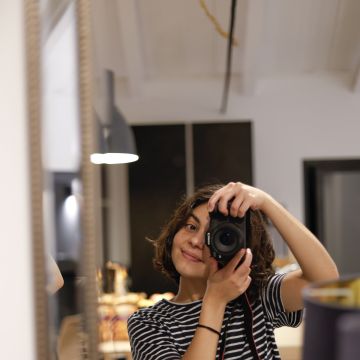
228	312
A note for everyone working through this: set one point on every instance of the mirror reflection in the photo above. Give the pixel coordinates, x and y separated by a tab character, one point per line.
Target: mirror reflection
169	78
160	66
290	66
61	155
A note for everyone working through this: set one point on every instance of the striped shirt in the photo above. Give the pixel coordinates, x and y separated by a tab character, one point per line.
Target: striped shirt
165	330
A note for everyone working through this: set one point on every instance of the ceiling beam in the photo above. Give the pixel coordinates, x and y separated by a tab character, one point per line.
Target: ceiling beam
251	44
132	45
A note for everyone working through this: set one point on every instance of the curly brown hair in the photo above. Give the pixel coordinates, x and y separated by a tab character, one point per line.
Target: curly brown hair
260	242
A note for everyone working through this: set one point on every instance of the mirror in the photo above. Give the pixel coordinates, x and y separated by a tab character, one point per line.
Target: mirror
294	74
294	79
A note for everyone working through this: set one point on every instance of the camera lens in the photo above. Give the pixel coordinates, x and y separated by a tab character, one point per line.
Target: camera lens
226	236
226	240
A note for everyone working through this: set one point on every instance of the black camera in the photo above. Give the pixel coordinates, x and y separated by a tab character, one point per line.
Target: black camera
227	235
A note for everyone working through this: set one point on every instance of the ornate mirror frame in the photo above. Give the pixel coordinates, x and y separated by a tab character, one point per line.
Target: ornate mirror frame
87	288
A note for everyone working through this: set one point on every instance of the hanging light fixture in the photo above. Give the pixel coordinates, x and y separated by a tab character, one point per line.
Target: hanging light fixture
116	139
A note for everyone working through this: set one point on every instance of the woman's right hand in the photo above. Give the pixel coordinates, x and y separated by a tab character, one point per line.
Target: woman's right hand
232	280
223	285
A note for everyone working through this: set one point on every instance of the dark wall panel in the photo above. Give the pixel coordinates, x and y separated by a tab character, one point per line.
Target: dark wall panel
222	153
156	182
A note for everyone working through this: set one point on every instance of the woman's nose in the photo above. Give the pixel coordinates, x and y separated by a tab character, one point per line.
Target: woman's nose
198	240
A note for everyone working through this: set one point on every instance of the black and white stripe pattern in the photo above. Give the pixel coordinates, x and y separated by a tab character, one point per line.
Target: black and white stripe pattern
165	330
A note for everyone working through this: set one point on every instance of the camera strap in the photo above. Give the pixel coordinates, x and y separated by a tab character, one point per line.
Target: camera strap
248	322
243	300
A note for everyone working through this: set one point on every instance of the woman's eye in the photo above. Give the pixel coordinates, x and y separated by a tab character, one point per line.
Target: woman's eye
190	227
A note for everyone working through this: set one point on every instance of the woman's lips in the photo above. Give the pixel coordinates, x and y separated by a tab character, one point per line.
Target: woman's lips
190	257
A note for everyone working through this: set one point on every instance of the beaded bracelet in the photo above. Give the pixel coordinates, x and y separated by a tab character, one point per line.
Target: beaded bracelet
210	328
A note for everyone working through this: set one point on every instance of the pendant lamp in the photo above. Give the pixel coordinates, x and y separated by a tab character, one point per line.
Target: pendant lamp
116	139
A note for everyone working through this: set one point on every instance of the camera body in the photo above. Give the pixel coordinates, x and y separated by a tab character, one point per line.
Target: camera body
227	235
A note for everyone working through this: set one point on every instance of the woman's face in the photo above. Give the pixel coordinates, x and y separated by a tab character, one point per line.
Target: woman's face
188	246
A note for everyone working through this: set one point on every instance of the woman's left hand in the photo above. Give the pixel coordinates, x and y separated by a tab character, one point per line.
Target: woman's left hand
243	197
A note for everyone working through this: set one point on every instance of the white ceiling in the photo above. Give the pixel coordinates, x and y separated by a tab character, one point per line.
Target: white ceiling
151	40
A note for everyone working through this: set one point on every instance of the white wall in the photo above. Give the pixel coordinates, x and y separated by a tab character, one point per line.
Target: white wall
295	118
16	302
60	96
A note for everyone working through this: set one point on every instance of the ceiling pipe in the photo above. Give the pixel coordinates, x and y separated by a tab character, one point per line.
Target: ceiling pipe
225	96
